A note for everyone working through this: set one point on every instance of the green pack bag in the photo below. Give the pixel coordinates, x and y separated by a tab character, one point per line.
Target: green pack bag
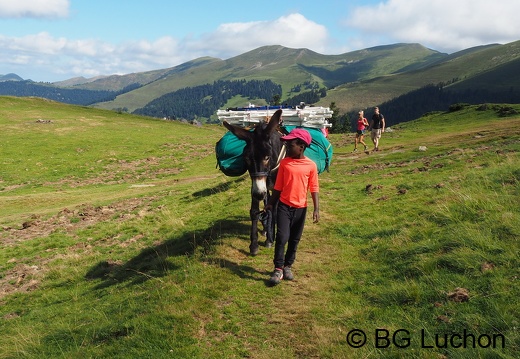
230	160
229	151
320	150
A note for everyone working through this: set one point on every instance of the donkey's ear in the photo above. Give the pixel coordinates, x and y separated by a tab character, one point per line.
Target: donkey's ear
240	132
275	120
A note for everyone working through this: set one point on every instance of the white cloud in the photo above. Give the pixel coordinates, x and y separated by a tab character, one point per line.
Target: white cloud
444	25
231	39
36	44
34	8
90	57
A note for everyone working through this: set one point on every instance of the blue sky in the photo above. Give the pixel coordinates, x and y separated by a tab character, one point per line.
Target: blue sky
54	40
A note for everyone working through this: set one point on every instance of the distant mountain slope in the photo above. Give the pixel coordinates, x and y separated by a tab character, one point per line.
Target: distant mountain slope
118	82
287	67
458	67
499	78
75	81
374	62
74	96
10	77
355	80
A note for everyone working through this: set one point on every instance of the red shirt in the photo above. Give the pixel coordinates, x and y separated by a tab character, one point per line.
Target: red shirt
361	123
296	176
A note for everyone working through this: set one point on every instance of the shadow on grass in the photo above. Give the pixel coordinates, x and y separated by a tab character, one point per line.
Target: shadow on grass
222	187
243	272
153	262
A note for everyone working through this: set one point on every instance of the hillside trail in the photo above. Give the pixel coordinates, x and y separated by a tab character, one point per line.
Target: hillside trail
290	309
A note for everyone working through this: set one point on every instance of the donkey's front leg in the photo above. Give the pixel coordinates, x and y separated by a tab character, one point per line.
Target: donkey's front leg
268	224
253	214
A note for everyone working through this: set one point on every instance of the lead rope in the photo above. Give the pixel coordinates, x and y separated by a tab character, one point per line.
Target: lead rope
280	156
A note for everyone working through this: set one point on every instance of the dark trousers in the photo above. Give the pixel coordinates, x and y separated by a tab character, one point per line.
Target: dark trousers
289	222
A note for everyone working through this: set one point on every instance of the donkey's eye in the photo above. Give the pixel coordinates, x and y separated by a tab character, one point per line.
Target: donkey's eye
266	158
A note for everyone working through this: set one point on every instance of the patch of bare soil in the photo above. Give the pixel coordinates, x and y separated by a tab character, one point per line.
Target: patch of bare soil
422	164
459	295
71	220
22	278
122	171
25	277
117	171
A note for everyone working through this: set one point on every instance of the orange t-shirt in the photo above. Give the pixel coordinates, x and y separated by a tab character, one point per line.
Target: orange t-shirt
295	177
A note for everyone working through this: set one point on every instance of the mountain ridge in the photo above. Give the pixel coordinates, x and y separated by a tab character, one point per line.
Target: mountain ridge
353	80
288	67
10	77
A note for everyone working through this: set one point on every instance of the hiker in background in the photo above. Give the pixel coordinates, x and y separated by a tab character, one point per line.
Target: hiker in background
325	132
362	124
297	175
377	126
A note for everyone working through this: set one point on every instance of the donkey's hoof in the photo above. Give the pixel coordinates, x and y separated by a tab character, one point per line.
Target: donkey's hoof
268	244
253	250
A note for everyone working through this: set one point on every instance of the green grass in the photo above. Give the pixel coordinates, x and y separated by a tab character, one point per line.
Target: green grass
119	238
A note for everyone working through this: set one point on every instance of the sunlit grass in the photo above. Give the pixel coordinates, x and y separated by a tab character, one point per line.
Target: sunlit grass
148	263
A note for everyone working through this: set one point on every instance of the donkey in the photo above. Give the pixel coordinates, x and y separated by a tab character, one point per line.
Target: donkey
262	154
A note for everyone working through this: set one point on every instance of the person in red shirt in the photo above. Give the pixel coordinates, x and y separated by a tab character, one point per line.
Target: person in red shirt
362	124
297	175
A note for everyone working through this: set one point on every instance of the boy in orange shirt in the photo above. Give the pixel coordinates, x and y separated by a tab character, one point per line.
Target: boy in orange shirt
297	175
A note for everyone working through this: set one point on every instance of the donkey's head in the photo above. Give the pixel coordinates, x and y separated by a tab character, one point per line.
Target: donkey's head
261	152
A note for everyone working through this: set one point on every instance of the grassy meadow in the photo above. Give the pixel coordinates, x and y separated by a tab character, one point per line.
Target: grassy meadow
120	239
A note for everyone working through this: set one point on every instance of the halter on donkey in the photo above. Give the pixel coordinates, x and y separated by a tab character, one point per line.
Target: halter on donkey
262	154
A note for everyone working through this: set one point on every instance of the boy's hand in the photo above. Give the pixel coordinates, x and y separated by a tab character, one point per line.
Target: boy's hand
315	216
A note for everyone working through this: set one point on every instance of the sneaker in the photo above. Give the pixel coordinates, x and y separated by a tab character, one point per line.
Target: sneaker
366	148
287	273
277	277
355	150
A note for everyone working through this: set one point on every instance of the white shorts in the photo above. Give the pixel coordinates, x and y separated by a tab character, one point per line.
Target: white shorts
375	133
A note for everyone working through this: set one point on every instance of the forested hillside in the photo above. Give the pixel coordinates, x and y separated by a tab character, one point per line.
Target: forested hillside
431	98
73	96
203	101
191	103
